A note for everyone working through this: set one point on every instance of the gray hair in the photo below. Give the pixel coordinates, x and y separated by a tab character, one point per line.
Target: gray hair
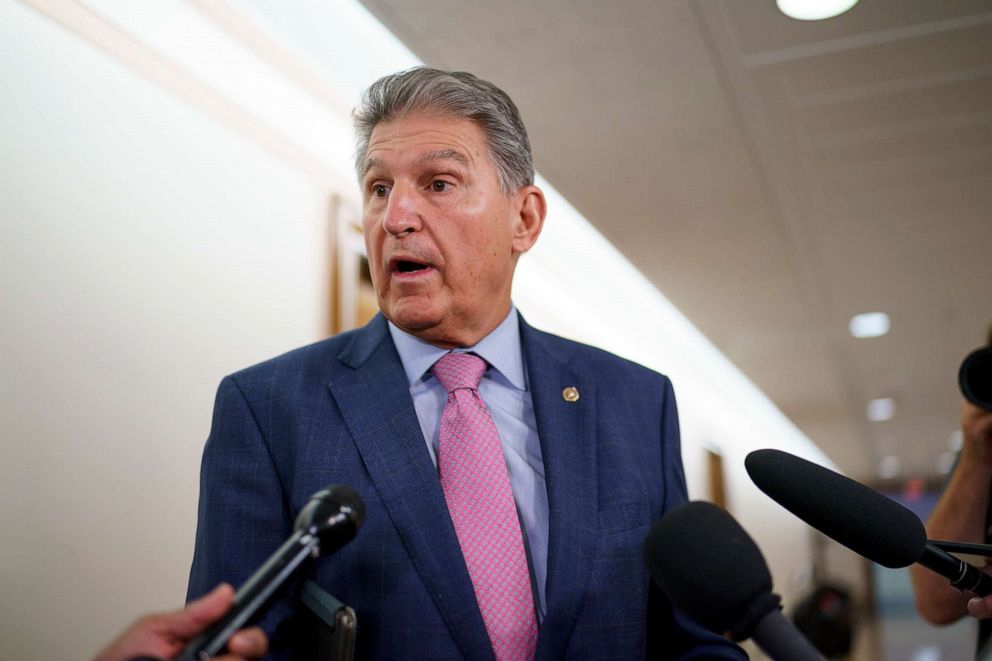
454	94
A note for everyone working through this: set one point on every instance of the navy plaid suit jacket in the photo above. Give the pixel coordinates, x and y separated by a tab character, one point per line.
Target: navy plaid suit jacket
340	411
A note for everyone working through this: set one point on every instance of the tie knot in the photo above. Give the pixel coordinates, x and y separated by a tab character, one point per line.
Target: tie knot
459	370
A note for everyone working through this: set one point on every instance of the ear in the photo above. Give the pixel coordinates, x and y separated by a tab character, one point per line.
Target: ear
530	210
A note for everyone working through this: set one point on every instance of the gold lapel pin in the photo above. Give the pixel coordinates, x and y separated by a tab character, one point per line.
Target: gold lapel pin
570	394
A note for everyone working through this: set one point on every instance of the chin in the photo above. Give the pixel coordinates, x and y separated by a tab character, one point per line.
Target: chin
413	318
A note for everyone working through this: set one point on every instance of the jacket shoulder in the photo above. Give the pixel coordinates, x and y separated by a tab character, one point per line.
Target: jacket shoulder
595	359
318	360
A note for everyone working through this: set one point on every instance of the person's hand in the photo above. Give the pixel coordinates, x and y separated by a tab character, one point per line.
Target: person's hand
976	426
980	607
163	635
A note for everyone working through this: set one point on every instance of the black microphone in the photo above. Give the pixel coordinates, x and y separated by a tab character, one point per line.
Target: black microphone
326	523
975	378
729	591
858	517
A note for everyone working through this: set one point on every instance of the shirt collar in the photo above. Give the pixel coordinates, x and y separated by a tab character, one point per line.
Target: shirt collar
501	349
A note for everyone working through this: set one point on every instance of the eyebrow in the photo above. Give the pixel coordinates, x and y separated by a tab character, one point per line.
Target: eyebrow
438	155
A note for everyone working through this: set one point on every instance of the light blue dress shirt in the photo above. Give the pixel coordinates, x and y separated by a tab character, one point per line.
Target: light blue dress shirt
504	389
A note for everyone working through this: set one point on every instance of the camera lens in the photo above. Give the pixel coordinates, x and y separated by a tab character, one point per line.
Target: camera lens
975	378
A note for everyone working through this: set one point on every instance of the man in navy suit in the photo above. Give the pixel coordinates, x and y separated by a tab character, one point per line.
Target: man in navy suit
590	441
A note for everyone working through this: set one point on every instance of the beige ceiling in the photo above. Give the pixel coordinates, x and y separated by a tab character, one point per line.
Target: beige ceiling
772	177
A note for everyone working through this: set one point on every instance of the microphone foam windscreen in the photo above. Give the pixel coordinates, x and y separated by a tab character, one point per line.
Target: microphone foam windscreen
858	517
334	514
708	565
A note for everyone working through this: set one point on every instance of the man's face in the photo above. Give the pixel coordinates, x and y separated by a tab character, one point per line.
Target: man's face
442	238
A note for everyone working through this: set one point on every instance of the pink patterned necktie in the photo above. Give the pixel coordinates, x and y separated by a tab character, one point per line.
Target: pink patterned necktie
476	486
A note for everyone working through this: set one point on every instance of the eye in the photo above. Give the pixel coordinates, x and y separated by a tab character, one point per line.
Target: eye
440	185
379	190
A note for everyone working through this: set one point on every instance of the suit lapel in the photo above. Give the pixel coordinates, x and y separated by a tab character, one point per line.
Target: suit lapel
567	434
374	400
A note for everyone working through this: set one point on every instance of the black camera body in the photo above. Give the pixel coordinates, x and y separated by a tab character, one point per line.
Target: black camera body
975	378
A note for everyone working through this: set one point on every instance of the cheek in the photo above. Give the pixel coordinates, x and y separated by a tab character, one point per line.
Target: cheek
486	260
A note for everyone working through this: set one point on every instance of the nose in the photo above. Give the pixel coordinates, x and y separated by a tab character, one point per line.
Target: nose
402	212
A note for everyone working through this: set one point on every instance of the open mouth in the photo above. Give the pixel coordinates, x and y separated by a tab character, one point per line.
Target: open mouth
406	266
409	266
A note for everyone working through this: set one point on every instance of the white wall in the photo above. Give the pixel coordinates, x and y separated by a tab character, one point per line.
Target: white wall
146	251
154	239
